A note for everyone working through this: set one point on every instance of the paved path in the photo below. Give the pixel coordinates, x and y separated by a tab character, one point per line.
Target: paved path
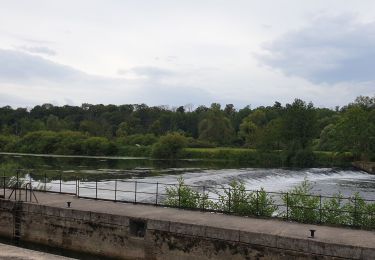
8	252
342	236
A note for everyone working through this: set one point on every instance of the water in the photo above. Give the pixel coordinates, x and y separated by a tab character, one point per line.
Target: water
122	172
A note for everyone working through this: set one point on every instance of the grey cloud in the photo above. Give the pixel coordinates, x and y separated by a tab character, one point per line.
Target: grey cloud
38	50
16	66
52	81
330	50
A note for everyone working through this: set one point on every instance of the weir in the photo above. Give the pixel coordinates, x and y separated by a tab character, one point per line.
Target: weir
130	231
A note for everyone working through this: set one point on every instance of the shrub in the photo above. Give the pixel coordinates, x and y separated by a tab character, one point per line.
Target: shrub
169	146
138	139
302	205
360	213
333	211
185	197
238	200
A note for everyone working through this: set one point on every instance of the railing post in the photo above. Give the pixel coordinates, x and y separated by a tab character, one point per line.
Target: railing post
204	197
179	195
229	202
4	180
31	185
355	218
287	206
320	208
258	213
60	182
78	187
115	190
157	193
15	193
135	192
96	188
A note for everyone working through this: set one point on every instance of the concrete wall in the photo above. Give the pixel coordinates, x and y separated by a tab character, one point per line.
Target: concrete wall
368	167
128	238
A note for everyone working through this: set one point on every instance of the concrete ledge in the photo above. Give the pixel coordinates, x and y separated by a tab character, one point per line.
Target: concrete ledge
187	229
258	239
223	234
158	225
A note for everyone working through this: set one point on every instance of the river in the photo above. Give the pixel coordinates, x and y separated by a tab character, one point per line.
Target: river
108	172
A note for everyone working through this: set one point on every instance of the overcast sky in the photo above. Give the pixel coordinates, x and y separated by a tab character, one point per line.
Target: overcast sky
168	52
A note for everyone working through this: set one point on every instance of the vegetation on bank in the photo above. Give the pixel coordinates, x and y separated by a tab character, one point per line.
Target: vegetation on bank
298	204
296	134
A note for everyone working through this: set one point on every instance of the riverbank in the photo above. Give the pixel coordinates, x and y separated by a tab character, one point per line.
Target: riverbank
266	159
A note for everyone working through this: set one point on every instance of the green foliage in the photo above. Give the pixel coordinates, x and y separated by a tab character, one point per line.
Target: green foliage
183	196
169	146
138	139
359	212
8	143
8	169
302	205
63	142
332	211
299	127
98	146
215	127
355	132
296	129
247	131
238	200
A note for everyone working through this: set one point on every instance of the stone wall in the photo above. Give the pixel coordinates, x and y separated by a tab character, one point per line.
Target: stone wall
128	238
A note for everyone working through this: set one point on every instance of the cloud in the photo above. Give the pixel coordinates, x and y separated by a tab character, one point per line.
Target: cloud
38	50
330	50
27	79
146	72
16	66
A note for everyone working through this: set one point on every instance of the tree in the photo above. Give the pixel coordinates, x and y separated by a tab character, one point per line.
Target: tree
215	127
247	131
169	146
355	132
298	131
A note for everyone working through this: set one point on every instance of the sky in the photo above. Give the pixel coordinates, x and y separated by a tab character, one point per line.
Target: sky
168	52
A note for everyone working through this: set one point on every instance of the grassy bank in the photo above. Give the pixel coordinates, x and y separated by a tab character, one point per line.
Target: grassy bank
266	159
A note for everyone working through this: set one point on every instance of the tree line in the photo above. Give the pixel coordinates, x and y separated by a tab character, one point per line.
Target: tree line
297	129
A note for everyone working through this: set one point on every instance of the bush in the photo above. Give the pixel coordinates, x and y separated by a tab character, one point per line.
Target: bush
332	211
138	139
185	197
302	205
98	146
359	212
8	143
238	200
197	143
169	146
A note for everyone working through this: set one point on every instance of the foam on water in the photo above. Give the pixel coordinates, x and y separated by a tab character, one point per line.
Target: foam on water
326	181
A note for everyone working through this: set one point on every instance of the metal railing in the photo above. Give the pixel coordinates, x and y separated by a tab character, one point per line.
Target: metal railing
307	208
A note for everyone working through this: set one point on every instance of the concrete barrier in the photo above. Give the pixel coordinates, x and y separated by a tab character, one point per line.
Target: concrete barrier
147	232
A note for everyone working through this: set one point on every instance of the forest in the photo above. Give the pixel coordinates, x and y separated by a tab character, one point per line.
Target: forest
296	131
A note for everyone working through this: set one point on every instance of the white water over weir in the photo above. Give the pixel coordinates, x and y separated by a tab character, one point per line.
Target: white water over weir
325	181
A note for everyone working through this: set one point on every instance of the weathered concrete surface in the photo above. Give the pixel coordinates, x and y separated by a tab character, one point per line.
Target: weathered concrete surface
8	252
368	167
103	227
